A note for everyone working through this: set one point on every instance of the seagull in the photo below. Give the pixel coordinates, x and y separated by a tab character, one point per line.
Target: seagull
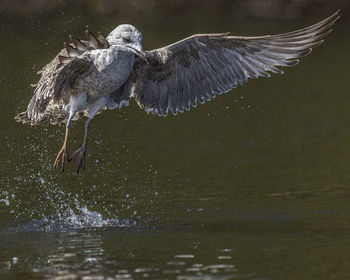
101	72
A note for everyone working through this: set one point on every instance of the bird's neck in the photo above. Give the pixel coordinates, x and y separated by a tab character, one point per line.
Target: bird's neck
117	65
120	50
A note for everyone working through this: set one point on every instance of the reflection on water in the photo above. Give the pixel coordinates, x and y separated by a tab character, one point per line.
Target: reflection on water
184	253
73	255
253	185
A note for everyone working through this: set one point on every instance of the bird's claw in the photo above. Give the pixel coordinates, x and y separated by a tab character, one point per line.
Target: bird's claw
61	158
79	158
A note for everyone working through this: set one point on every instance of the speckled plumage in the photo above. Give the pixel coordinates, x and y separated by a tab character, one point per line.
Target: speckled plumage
109	71
88	75
95	68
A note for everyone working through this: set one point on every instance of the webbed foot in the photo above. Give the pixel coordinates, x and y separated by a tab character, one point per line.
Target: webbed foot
79	158
61	158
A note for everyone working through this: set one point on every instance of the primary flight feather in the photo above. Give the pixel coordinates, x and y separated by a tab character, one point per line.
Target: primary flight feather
108	71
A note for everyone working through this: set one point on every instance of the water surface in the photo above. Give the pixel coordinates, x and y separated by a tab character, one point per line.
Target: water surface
253	185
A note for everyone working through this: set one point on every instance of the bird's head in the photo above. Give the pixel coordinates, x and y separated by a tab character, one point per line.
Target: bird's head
128	36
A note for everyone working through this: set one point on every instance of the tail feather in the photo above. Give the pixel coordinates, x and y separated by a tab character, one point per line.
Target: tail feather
23	117
55	116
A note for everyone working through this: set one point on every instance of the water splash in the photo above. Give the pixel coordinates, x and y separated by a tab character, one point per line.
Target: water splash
4	198
72	219
35	198
81	218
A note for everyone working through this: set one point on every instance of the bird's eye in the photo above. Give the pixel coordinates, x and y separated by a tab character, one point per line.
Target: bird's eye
127	40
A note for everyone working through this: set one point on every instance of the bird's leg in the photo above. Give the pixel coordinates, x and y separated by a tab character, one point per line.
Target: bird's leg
62	155
79	155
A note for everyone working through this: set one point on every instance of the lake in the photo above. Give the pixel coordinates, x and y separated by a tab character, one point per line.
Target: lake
252	185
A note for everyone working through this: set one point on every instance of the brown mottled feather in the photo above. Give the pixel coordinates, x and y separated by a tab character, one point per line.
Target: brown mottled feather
57	77
178	76
197	68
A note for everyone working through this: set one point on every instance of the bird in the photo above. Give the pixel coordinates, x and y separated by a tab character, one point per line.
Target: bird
101	72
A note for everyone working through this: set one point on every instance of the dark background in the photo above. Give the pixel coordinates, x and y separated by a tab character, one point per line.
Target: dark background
256	181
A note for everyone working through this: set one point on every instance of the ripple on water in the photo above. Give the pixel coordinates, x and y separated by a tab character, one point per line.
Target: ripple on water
184	256
81	218
224	257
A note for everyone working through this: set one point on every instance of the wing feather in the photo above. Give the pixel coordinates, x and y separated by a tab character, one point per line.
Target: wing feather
196	69
53	89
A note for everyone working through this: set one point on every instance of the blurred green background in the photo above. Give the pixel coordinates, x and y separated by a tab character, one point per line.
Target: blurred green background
252	185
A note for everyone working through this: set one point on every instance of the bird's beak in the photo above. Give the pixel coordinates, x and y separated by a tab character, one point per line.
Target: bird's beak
140	53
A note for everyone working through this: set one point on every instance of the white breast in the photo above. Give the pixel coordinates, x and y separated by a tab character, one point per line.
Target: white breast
113	66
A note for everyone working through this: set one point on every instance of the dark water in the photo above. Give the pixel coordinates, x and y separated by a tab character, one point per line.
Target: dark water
253	185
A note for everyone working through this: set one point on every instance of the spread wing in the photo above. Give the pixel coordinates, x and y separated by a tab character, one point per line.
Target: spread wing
199	67
53	89
120	97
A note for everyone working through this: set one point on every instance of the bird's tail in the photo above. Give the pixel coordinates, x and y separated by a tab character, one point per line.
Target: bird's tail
54	116
24	118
